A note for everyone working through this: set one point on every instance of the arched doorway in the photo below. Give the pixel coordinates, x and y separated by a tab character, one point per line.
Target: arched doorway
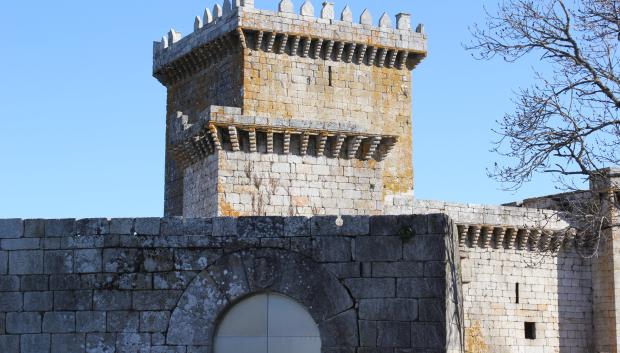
268	323
243	274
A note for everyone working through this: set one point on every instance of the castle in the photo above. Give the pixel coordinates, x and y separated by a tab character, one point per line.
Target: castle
290	223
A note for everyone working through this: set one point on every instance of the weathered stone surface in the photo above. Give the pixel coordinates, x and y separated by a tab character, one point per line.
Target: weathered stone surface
332	249
171	280
344	269
121	225
324	225
389	309
88	261
198	226
224	226
62	343
133	342
135	281
11	228
230	275
25	262
340	330
123	321
363	288
64	282
11	301
425	335
34	283
392	225
17	323
38	301
9	343
58	261
155	299
257	227
4	262
101	343
93	226
398	269
432	310
378	249
83	241
435	269
439	224
34	228
34	343
122	260
328	11
154	321
9	283
20	244
368	333
421	287
385	334
147	226
90	321
166	293
193	320
347	14
60	227
73	300
366	18
286	6
296	226
112	300
158	260
425	248
59	322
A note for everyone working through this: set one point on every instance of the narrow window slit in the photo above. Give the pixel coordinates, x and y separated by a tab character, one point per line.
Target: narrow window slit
329	70
517	293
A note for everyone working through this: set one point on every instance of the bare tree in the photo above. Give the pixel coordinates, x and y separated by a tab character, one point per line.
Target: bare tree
567	122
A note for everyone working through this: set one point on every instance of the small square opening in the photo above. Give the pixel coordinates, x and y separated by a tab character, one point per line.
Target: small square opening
530	330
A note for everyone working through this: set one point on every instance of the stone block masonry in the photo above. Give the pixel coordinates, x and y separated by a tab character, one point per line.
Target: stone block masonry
286	85
161	285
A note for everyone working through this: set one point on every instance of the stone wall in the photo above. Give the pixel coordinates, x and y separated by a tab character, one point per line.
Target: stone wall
507	216
293	67
377	98
554	292
219	84
377	284
263	184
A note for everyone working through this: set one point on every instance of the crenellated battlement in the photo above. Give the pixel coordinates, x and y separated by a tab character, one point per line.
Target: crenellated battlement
239	25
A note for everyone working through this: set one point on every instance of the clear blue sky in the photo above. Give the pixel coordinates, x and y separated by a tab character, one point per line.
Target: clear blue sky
82	120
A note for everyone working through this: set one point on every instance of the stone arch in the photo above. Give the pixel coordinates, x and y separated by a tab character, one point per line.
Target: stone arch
242	274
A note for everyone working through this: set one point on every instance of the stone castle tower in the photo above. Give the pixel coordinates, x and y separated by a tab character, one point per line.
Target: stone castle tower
275	113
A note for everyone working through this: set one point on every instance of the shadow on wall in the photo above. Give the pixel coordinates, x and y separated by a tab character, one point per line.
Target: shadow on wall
575	304
454	297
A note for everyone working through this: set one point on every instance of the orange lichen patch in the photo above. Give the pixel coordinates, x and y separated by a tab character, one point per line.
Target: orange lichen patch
300	201
474	340
226	210
372	164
